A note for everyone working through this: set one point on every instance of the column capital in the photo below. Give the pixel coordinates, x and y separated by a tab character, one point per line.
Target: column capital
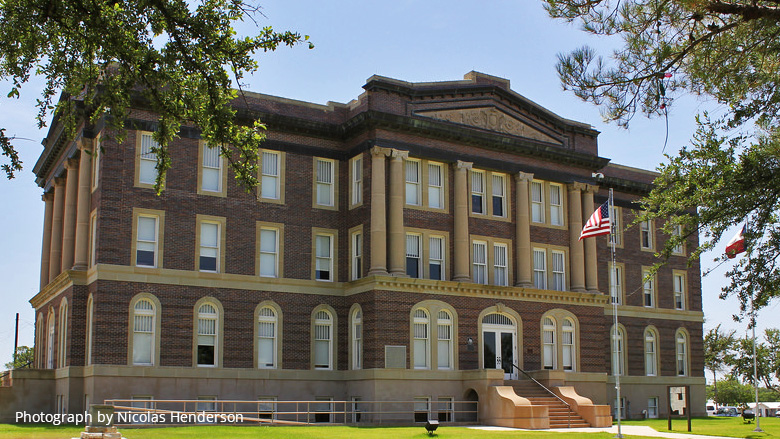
72	164
59	181
47	196
397	154
85	144
524	176
577	186
379	151
460	164
590	188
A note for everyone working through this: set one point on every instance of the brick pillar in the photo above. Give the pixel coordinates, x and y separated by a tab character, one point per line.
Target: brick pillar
461	265
69	218
591	269
55	254
48	199
524	257
576	251
396	236
378	212
81	257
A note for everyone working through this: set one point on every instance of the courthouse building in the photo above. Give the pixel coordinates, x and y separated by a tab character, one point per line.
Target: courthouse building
415	244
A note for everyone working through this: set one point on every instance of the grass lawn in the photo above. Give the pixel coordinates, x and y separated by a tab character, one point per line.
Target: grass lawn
716	426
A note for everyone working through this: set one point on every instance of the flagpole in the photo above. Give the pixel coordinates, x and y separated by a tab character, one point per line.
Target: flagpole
615	359
755	365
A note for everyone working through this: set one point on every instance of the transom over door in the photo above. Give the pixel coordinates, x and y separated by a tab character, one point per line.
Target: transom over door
499	344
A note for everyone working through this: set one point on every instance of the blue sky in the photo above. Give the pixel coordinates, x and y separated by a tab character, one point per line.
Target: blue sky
414	41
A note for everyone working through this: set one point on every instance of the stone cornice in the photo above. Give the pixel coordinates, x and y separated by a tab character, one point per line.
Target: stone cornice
62	282
642	312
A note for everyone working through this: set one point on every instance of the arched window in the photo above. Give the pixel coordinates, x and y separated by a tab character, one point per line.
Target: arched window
567	345
618	351
549	346
143	332
444	327
50	341
266	338
651	353
682	353
40	342
323	340
62	342
208	346
357	339
88	330
421	352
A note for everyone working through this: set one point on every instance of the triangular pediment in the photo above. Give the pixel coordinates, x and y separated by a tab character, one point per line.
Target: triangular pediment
489	118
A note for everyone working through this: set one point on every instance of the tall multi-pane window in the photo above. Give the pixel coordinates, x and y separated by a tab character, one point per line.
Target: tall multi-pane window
567	344
499	195
616	284
648	289
678	283
93	239
678	249
421	351
617	230
357	180
652	407
500	265
266	338
88	341
682	353
618	351
147	162
540	269
479	262
413	183
63	335
357	255
323	340
435	186
357	339
96	164
325	182
146	241
211	177
444	347
537	202
477	191
143	332
269	252
651	353
323	257
436	257
270	181
558	270
549	347
207	335
209	247
50	342
413	255
556	205
646	235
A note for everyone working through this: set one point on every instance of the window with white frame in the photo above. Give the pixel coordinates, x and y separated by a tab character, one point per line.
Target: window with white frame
143	332
270	175
357	339
323	340
421	348
435	186
413	255
479	265
616	234
211	174
446	408
556	204
499	195
266	338
147	162
682	353
63	336
357	255
266	407
567	344
618	351
651	353
444	347
50	342
323	257
537	202
357	180
325	182
422	408
93	239
616	284
678	282
678	249
146	241
500	265
207	349
652	407
269	252
209	247
436	257
477	192
646	235
648	289
323	409
558	270
413	183
549	346
90	319
206	404
540	269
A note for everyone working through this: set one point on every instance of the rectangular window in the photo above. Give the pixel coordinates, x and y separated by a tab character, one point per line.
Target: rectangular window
648	289
270	175
499	195
266	407
422	407
211	177
446	408
357	255
206	404
269	252
323	409
146	244
93	239
435	186
540	269
444	348
477	192
556	205
646	235
324	257
617	231
558	271
652	407
500	265
96	164
616	284
207	336
679	291
147	171
678	249
537	202
436	258
209	247
413	194
357	180
322	341
480	262
325	182
413	255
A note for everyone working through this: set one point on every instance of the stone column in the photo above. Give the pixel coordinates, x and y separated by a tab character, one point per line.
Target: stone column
523	234
55	254
396	236
576	252
378	212
48	199
461	211
81	257
69	218
591	268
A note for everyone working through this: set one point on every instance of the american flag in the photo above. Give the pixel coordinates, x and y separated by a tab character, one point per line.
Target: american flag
598	223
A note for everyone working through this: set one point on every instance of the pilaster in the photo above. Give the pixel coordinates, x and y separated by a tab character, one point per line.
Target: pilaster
576	249
396	236
523	231
55	254
81	257
48	199
461	240
378	212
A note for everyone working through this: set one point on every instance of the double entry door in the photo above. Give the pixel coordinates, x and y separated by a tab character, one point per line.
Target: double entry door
499	349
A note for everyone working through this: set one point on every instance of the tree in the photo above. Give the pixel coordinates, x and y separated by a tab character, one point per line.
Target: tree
717	346
179	60
731	171
732	392
24	357
767	359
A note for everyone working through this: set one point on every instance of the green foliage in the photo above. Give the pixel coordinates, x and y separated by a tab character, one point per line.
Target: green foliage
178	59
731	171
732	392
24	357
767	359
717	346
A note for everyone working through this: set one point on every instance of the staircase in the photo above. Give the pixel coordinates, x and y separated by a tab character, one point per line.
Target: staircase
558	411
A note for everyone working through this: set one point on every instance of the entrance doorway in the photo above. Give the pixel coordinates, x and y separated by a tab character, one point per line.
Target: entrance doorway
499	344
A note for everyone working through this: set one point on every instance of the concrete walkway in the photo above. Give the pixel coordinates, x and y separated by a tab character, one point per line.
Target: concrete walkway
629	430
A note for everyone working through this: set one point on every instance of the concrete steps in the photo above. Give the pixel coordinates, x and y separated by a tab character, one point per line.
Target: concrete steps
558	412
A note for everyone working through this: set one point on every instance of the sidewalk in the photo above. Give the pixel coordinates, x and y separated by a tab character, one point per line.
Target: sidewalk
629	430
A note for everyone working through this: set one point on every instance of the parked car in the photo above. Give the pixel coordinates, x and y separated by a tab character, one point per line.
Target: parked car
727	411
711	410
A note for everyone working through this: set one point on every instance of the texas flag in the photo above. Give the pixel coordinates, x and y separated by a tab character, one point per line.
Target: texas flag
737	244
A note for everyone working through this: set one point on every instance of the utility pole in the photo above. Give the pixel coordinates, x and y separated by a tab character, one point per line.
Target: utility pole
16	338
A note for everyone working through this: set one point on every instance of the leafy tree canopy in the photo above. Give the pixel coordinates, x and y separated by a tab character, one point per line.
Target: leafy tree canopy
767	359
181	58
731	171
24	358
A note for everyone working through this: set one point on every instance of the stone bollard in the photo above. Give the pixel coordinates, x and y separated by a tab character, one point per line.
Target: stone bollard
101	423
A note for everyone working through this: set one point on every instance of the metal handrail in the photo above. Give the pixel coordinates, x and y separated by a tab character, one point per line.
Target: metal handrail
568	406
